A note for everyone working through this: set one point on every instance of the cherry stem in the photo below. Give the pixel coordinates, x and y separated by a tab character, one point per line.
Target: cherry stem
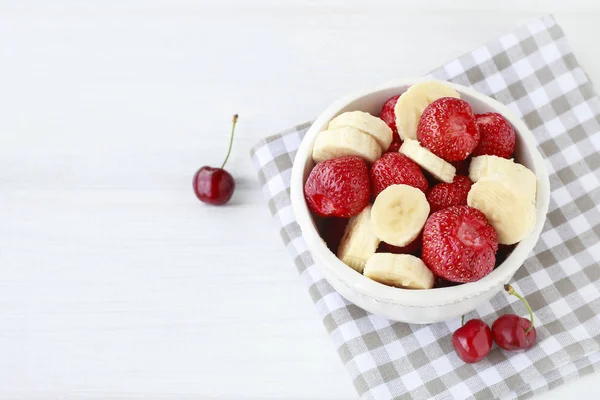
462	320
511	291
235	118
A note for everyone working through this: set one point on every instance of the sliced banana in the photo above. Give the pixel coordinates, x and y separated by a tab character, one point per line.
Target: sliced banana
358	243
398	214
366	123
346	141
484	166
436	166
413	102
509	209
400	270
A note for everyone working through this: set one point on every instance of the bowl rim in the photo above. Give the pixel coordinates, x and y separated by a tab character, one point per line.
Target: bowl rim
407	297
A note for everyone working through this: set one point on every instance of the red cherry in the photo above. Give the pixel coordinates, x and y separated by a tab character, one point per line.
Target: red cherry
514	333
215	185
472	341
509	332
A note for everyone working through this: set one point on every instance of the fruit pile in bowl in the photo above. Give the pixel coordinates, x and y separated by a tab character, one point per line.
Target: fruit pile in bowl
420	198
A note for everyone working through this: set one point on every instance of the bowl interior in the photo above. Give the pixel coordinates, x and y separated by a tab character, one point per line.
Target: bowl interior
525	153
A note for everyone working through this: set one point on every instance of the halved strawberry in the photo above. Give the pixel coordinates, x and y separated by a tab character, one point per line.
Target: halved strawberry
447	128
459	244
338	187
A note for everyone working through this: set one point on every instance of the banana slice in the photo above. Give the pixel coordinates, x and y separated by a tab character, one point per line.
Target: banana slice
400	270
439	168
366	123
345	141
398	214
509	209
484	166
413	102
358	243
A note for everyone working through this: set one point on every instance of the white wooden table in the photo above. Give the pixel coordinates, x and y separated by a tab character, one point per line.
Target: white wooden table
115	282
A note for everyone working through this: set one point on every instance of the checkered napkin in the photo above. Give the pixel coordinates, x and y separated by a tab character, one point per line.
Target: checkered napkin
532	71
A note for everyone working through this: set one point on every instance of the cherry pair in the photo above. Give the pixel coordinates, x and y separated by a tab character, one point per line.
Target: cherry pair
473	340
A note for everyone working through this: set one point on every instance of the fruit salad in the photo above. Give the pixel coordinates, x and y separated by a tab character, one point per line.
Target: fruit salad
424	195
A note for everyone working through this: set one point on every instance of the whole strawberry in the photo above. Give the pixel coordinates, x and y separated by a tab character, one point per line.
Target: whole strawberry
459	244
396	169
447	128
498	136
388	115
445	195
338	187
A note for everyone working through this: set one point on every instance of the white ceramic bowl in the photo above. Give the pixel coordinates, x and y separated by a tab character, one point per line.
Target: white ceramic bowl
414	306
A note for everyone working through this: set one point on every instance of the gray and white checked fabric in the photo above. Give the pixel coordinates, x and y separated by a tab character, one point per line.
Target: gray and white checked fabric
534	72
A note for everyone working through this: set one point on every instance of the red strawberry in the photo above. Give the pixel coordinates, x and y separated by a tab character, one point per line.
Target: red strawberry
497	136
411	248
444	195
338	187
395	145
387	113
395	169
388	116
459	244
447	127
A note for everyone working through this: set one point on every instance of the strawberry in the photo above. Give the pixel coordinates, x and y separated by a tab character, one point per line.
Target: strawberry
411	248
447	127
395	169
444	195
459	244
497	136
388	116
395	145
338	187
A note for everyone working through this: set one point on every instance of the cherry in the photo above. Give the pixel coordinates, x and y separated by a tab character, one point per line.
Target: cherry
472	341
215	185
514	333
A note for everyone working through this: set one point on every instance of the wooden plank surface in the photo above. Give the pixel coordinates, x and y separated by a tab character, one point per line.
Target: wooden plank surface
114	281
